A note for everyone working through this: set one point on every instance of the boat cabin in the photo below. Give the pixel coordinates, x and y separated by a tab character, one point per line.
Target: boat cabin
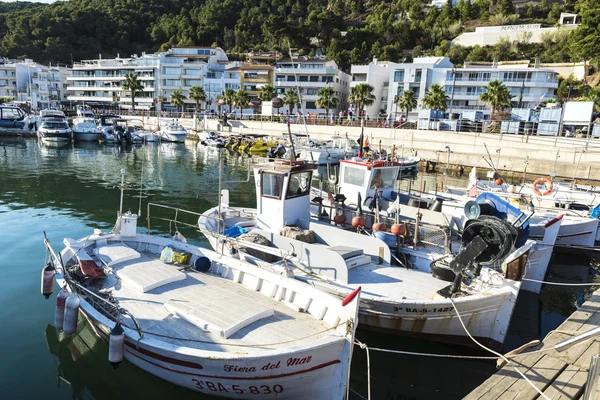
85	113
362	177
282	193
52	114
11	117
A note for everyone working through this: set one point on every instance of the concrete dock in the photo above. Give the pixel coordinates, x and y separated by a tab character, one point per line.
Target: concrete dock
559	375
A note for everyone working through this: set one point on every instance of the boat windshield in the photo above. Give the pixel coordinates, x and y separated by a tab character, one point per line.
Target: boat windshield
54	125
271	185
384	177
299	184
354	176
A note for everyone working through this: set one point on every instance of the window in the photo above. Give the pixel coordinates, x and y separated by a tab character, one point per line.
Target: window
171	71
418	75
384	177
271	185
193	72
399	76
311	105
354	176
312	92
299	185
314	78
250	75
12	114
291	78
303	78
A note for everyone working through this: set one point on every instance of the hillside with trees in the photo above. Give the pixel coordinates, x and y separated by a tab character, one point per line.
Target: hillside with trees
349	31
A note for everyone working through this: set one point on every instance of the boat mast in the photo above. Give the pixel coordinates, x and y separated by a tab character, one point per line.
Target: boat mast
122	191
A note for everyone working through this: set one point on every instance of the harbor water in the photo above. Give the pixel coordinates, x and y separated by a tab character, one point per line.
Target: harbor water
69	191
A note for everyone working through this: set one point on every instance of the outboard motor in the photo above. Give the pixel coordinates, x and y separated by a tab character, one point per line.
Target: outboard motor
128	138
119	132
494	228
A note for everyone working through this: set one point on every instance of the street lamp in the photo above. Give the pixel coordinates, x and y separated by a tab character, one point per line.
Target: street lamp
453	72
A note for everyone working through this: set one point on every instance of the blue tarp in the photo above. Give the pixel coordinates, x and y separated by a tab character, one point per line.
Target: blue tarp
235	231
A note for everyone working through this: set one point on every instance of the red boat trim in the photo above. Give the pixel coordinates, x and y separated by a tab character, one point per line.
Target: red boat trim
565	235
553	221
244	378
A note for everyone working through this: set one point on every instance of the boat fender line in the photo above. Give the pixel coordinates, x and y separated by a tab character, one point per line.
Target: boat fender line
116	344
47	280
547	184
351	296
494	352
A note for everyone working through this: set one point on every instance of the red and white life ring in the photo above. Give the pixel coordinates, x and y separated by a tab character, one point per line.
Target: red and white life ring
548	186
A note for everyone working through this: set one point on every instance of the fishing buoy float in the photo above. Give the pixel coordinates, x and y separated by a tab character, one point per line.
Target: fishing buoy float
499	181
116	345
71	314
398	229
47	280
358	221
59	311
339	219
379	226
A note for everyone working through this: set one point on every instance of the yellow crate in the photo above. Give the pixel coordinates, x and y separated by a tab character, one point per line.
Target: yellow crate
181	257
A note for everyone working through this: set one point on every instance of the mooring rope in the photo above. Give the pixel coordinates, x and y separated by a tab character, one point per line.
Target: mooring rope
561	284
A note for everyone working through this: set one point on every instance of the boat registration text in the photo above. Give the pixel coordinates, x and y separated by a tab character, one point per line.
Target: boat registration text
238	389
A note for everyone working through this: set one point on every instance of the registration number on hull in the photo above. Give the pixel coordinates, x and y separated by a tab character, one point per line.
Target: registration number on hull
238	389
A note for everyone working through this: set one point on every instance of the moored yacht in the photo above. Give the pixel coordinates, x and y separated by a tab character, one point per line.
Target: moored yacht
54	127
174	132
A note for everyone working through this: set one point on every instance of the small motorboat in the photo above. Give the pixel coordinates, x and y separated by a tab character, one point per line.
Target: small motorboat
338	148
202	320
174	132
211	139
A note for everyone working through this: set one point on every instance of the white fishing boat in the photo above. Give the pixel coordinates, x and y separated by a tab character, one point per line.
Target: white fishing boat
203	320
405	281
173	131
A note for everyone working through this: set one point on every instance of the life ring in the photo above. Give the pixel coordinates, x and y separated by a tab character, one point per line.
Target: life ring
547	184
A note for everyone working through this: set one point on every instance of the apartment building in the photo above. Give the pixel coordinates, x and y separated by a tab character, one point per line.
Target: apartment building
99	82
8	80
220	75
376	74
308	75
529	85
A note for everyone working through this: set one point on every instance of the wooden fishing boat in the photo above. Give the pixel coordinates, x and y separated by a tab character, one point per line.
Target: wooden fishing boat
402	287
202	320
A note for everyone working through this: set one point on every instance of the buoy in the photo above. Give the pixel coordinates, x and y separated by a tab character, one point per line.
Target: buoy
339	219
59	310
116	345
499	181
398	229
71	314
47	280
379	226
358	221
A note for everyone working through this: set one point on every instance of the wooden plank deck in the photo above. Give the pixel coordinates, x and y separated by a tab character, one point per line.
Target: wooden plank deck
557	375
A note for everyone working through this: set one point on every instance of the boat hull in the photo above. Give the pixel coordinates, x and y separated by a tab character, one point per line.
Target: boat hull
86	136
173	137
318	373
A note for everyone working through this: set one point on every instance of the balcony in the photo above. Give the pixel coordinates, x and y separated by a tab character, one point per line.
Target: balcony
287	84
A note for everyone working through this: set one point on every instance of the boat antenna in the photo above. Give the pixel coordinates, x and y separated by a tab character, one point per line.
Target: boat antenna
122	190
303	116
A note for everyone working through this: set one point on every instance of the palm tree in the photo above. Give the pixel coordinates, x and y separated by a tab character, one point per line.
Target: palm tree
241	99
291	99
197	94
361	96
436	98
133	85
177	99
326	99
229	97
407	101
497	96
267	93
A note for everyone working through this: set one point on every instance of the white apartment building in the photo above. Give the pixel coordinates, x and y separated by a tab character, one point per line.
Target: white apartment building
220	75
8	80
530	85
309	75
376	74
417	76
99	82
26	81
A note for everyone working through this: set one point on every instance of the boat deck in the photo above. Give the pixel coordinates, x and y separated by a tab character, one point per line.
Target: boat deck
220	314
395	283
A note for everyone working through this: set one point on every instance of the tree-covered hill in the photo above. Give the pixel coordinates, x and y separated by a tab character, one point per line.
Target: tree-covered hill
349	31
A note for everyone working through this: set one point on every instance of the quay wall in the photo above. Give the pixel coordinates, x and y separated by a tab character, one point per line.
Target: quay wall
568	157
